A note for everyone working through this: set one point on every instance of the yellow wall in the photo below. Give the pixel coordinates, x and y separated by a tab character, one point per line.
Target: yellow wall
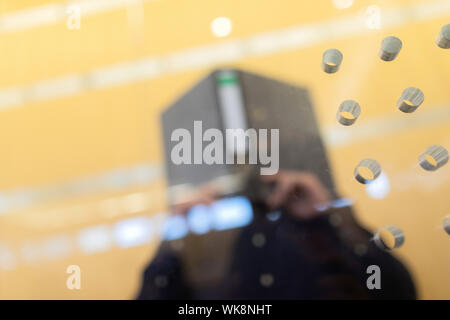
54	141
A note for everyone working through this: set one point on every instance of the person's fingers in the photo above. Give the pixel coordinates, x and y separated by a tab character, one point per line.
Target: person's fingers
184	208
318	193
178	209
285	183
299	192
271	178
280	194
204	196
311	188
302	209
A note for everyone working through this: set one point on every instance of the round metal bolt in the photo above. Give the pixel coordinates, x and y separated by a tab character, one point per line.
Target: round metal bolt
433	158
443	39
348	112
259	240
410	99
397	233
161	281
335	220
266	280
360	249
177	245
446	224
331	60
390	47
370	164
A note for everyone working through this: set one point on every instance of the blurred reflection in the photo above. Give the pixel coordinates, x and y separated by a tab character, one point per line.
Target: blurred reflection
306	253
286	235
82	178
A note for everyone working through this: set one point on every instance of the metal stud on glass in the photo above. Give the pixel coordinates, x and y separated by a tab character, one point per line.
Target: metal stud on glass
446	224
331	60
397	233
433	158
390	47
348	112
266	280
372	165
443	39
410	99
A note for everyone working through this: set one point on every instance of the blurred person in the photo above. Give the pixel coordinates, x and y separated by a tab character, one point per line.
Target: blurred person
312	251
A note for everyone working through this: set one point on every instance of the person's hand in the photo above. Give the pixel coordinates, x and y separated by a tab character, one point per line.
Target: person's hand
204	195
299	193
